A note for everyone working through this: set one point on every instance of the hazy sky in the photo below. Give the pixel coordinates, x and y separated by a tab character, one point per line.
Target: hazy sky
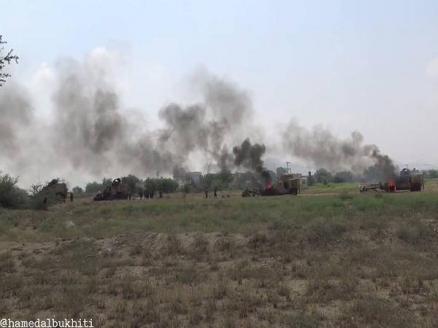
370	66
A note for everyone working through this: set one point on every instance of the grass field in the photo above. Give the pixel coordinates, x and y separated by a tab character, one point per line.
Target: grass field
330	257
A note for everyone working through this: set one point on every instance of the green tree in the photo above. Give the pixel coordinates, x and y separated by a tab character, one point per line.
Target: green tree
132	181
5	59
93	187
169	185
343	176
10	195
323	176
433	174
78	190
150	186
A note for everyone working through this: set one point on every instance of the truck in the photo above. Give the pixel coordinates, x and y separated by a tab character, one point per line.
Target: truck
117	190
55	190
287	184
407	180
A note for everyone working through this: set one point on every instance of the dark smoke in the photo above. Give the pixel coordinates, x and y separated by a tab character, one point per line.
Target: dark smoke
324	150
15	115
186	129
210	126
383	169
249	156
91	133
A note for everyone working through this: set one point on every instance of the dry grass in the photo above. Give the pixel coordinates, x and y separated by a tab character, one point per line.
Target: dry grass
327	261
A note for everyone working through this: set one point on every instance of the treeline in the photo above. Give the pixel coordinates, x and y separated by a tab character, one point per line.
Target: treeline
324	176
210	181
431	174
136	186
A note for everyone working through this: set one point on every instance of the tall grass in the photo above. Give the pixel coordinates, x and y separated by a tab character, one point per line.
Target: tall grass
242	215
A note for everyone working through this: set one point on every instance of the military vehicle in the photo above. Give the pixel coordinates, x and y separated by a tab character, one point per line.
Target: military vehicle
412	180
407	180
55	190
250	192
287	184
117	190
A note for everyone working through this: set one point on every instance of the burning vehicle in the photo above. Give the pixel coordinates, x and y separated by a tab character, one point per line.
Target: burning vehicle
287	184
412	180
117	190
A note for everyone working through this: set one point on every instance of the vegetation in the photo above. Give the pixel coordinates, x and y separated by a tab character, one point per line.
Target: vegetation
5	59
10	195
94	187
77	190
221	180
431	174
259	262
336	258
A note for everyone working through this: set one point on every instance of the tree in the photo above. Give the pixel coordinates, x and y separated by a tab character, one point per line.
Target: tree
433	174
36	189
132	182
343	176
78	190
10	195
5	59
323	176
93	187
150	187
168	185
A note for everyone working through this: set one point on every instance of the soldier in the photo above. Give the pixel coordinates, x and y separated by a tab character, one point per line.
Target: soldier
215	192
71	197
206	192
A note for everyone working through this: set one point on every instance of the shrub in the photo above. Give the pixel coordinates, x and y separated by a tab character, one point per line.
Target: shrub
10	195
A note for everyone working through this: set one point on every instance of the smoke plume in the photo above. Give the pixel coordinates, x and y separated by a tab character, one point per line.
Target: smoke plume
16	114
249	156
90	133
324	150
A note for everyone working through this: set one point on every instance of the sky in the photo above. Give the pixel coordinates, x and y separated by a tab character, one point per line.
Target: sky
370	66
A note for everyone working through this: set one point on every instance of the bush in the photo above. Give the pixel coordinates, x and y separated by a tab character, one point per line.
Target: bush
343	176
323	176
10	195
